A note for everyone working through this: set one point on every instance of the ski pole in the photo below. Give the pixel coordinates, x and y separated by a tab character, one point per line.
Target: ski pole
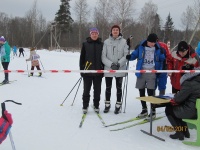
76	92
27	68
11	140
42	64
125	83
71	91
86	68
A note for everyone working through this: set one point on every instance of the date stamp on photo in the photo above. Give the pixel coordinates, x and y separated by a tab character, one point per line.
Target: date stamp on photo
171	128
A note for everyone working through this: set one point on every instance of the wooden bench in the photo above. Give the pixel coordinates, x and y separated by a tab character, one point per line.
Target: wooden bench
195	122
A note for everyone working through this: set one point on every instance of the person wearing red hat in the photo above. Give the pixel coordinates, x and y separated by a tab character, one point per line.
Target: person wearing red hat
114	54
5	57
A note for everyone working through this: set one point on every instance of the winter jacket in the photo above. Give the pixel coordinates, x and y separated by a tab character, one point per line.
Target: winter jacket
198	49
161	78
33	62
114	51
187	96
178	62
6	57
91	52
139	54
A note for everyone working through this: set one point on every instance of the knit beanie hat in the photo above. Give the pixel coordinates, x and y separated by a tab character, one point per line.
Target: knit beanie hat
94	30
2	39
116	26
152	38
182	46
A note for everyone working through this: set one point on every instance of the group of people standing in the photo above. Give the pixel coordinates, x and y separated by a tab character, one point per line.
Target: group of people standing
151	54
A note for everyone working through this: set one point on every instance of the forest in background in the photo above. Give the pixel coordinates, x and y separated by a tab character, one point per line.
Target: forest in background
68	33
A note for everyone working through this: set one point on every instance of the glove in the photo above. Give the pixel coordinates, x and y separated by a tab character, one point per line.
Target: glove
173	102
114	66
128	57
187	67
9	117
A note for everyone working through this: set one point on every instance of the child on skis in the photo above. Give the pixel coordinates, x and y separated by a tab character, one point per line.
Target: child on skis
34	61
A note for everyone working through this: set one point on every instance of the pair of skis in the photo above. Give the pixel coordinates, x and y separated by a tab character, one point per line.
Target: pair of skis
98	115
118	123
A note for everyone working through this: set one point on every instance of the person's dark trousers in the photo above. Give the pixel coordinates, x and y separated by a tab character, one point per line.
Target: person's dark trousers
150	92
109	86
21	53
5	67
87	83
32	68
174	90
176	122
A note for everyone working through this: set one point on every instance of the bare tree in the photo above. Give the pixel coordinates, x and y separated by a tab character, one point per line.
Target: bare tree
122	10
82	11
188	21
102	17
31	16
147	16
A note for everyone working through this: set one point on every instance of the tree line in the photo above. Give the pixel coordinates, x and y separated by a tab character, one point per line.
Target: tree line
33	30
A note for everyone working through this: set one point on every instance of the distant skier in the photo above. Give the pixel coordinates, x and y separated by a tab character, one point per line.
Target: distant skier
34	61
21	51
14	50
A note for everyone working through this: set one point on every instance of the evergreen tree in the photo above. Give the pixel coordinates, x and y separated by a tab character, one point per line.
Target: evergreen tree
63	16
169	28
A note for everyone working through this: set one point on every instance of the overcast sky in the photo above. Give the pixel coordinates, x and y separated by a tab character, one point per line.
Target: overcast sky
50	7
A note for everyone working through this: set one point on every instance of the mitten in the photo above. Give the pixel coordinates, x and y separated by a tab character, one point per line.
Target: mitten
128	57
114	66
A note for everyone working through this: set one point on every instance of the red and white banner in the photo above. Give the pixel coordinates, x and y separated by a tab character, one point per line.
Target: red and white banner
102	71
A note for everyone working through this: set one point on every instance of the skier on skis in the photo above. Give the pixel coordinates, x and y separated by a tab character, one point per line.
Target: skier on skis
34	61
150	57
90	59
114	54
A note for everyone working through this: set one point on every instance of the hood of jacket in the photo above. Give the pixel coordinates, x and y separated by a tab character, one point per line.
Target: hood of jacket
189	76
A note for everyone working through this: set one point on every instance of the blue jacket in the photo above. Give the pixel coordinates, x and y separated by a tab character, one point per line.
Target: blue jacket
139	54
198	49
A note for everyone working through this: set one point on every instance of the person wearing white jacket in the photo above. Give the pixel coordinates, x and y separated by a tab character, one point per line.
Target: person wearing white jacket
114	54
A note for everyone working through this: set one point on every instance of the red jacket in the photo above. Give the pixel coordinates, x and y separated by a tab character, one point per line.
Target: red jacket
177	62
168	53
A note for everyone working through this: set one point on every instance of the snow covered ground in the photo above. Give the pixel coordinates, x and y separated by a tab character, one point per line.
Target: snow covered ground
42	124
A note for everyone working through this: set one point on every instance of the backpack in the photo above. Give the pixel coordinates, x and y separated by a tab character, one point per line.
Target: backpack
5	121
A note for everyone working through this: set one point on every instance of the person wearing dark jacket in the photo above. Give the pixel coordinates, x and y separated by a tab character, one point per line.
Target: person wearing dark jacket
90	59
184	104
21	51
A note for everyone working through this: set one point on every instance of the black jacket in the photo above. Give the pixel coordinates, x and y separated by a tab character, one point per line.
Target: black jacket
186	98
91	52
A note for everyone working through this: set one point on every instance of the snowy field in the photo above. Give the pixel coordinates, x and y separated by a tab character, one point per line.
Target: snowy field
42	124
